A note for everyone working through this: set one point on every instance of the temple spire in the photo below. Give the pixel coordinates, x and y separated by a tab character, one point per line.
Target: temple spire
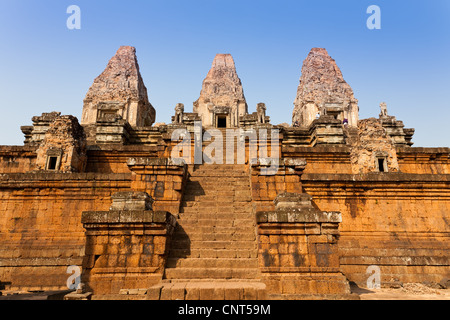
119	89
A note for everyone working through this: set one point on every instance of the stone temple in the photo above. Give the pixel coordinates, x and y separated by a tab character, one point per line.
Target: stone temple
106	195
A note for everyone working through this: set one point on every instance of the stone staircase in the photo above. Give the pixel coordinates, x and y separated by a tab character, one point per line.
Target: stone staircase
213	252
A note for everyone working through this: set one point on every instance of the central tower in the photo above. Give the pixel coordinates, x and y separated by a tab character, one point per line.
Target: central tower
323	91
222	100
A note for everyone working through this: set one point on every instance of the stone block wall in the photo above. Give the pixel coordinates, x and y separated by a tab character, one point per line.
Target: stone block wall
125	249
321	159
113	158
163	179
398	222
265	187
16	159
40	220
424	160
298	249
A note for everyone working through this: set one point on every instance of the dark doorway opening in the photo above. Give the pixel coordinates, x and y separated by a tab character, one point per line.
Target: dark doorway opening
381	167
222	122
52	163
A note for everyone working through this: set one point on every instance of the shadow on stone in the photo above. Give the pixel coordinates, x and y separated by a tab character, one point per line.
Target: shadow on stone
180	247
354	288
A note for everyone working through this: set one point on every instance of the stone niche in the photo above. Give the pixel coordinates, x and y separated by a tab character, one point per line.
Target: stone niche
63	147
126	247
298	250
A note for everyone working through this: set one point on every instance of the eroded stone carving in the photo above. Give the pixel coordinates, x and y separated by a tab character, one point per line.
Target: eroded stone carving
63	147
179	111
323	90
383	108
222	96
120	89
261	112
373	150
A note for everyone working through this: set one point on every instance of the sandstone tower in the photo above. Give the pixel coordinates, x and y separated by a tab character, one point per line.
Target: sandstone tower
323	90
222	100
119	91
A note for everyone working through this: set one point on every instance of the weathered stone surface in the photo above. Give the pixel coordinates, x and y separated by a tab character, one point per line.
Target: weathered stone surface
326	131
300	240
127	216
63	147
395	129
125	247
323	90
155	162
373	150
35	134
128	200
119	90
291	207
221	94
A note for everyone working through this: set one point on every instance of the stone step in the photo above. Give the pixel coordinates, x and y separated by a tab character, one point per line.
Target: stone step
216	178
218	166
214	204
201	244
214	175
207	290
211	199
236	203
214	236
220	174
210	205
221	194
214	214
193	221
212	263
212	253
223	188
217	186
226	174
198	213
192	213
212	181
211	273
203	197
208	229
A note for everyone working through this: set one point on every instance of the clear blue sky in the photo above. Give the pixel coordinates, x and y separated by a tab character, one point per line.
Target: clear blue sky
46	67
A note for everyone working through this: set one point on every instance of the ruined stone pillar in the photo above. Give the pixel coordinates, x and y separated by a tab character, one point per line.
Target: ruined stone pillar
126	247
298	249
